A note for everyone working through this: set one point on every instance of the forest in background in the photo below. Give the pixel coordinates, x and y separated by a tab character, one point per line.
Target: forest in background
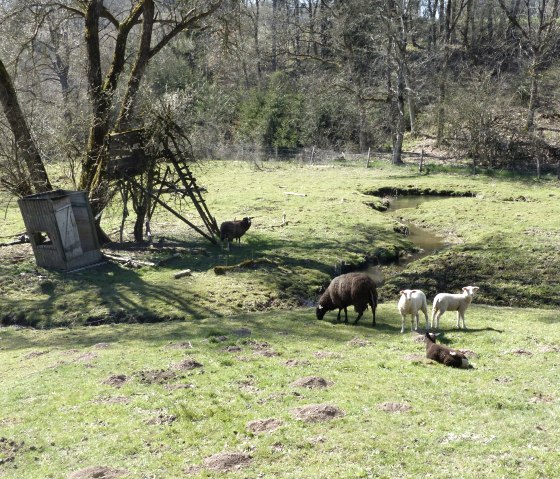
474	78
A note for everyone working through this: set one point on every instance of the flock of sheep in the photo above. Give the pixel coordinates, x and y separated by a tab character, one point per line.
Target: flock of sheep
360	291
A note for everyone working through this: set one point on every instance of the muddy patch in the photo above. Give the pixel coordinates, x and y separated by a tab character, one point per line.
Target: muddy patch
156	376
116	380
227	461
187	364
264	425
98	472
394	407
317	412
312	382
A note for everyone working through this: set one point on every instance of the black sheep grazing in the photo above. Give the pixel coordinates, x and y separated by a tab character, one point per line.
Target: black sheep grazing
351	289
234	230
443	354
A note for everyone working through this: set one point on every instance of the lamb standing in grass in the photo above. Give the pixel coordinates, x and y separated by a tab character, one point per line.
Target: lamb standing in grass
443	354
351	289
412	301
453	302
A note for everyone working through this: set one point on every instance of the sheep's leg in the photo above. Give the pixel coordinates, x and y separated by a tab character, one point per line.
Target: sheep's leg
402	323
416	318
437	316
463	318
345	315
458	319
434	312
359	316
425	311
338	316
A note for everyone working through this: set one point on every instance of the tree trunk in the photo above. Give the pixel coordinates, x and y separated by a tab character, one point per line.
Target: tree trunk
400	123
38	178
533	98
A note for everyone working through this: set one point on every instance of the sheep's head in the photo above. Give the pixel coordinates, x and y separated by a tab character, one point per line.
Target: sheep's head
246	221
470	290
430	337
407	293
320	311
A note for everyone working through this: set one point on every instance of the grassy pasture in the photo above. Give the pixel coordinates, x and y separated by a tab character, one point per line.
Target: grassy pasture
505	240
123	396
403	415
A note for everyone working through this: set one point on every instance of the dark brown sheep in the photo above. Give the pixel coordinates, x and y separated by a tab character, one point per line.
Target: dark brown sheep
234	230
351	289
443	354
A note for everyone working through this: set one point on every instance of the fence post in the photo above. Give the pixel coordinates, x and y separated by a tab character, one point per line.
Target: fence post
368	156
312	154
421	161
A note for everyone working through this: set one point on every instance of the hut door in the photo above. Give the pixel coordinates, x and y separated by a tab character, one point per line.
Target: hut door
68	230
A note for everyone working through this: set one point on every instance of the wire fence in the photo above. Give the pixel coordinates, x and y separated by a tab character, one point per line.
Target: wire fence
309	155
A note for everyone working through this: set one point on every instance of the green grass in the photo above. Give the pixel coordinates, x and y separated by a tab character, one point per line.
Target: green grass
496	420
504	240
58	414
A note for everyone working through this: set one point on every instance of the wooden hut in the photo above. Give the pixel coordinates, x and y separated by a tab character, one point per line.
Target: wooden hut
61	229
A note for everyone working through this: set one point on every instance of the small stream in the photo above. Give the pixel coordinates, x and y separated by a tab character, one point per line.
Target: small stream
426	241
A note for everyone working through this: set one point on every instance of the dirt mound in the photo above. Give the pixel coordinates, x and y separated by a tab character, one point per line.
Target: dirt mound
157	376
292	363
227	461
521	352
161	418
116	380
187	364
34	354
8	449
326	354
312	382
112	400
394	407
232	349
317	412
98	472
182	345
264	425
358	342
87	357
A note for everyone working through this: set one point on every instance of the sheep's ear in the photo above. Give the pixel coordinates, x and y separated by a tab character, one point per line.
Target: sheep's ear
476	288
319	307
401	292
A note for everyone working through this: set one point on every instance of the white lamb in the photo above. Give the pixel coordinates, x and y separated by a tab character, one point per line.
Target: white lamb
411	302
453	302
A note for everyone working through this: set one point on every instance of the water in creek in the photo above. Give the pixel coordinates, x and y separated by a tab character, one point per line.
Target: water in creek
426	241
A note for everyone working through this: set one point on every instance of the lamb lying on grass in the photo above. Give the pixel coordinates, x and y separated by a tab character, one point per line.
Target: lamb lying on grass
443	354
351	289
453	302
412	301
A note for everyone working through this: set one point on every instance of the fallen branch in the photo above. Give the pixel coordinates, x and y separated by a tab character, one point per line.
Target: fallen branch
247	264
294	194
